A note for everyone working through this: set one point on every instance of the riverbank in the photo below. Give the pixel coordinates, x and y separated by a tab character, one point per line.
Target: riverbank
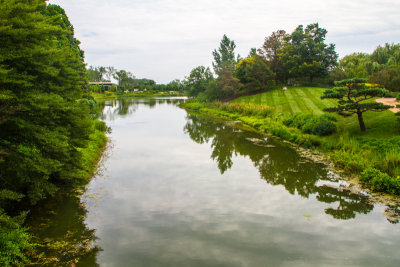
67	245
375	161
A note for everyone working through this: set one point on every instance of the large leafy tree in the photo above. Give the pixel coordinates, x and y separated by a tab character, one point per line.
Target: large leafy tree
41	78
270	50
255	73
304	53
389	77
356	65
43	125
353	96
198	80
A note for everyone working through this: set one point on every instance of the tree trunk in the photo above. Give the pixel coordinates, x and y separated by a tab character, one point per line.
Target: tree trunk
361	121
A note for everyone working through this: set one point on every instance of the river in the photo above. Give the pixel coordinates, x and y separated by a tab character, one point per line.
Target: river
180	190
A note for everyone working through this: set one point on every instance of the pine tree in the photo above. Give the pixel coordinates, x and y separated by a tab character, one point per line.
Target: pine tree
352	96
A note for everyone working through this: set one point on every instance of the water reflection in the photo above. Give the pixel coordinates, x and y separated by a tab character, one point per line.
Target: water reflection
278	165
118	108
59	223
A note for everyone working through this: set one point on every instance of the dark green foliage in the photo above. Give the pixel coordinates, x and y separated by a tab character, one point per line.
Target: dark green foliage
14	240
380	181
225	57
198	80
255	74
352	96
355	65
389	78
304	53
307	123
381	145
269	51
45	126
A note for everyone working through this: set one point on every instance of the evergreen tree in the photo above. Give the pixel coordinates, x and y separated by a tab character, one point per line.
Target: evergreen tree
225	57
352	96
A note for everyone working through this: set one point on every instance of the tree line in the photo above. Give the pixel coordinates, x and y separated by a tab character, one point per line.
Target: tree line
382	66
49	140
127	81
298	58
283	58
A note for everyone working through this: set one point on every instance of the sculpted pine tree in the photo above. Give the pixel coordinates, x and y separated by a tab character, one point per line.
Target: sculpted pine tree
353	95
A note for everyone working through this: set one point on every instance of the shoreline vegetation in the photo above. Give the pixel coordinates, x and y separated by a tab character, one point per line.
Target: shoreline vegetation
371	156
50	139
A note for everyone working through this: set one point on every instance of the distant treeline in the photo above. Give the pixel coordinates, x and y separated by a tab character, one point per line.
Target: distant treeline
126	81
299	58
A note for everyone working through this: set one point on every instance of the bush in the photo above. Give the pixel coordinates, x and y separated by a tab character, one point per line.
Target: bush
380	181
389	77
310	124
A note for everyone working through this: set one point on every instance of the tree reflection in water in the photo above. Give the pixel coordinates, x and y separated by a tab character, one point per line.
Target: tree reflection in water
63	236
278	164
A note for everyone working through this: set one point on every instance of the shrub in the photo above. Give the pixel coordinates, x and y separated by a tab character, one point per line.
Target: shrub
380	181
389	77
310	124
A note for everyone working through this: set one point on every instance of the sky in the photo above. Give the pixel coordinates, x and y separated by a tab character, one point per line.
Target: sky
164	40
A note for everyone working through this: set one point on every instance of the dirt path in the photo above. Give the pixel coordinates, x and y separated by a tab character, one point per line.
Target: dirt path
390	102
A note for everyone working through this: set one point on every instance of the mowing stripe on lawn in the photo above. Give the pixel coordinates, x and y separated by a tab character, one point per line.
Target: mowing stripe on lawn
276	100
303	107
314	108
315	97
293	104
284	102
326	102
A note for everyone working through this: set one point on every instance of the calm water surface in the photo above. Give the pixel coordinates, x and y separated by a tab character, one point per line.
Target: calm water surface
179	190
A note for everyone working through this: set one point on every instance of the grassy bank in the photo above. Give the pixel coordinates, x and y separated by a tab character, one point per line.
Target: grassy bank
297	116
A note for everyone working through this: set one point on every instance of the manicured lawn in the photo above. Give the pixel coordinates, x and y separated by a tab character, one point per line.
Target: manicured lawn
294	100
308	100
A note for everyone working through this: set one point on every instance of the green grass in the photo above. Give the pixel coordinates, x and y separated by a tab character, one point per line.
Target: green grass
308	100
377	149
294	100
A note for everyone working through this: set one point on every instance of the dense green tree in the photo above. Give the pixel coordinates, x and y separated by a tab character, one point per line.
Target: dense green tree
389	78
353	96
224	56
44	126
125	78
304	53
227	83
269	51
356	65
43	78
56	11
198	79
252	53
386	56
255	73
175	85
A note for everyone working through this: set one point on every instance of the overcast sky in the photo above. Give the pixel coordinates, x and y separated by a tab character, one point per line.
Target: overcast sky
165	39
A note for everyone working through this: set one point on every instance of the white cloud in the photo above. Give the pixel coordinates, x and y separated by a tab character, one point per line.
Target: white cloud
165	39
